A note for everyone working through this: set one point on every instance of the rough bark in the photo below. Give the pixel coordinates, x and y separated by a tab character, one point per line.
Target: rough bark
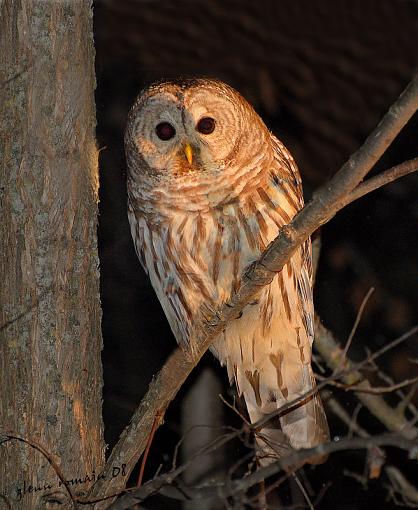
50	344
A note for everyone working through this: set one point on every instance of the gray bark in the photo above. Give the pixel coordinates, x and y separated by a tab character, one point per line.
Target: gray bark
50	339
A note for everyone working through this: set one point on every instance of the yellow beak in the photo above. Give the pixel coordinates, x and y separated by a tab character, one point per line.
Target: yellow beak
189	153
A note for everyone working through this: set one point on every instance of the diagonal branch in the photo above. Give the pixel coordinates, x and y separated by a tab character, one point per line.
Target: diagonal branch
325	203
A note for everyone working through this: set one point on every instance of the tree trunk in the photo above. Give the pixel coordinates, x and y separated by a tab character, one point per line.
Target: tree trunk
50	344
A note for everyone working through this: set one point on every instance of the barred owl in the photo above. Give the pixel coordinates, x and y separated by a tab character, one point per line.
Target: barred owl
209	187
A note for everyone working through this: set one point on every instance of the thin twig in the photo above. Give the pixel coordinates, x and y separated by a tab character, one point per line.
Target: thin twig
408	492
26	312
406	402
303	491
235	410
376	390
406	399
373	390
354	329
341	413
331	353
155	425
391	345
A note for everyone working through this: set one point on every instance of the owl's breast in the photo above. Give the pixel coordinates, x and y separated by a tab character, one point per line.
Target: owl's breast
195	259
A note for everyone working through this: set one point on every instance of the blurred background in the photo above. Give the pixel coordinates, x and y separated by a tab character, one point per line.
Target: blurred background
321	74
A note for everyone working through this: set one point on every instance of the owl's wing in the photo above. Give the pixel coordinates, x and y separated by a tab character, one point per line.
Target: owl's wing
137	232
293	186
168	254
306	425
270	359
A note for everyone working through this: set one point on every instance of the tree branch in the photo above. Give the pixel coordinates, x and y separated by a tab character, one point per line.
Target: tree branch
401	485
386	177
332	354
376	390
325	203
163	484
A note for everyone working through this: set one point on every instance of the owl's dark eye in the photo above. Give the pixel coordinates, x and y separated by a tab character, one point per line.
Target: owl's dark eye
206	125
165	131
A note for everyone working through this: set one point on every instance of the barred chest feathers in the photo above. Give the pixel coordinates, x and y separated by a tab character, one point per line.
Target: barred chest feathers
195	259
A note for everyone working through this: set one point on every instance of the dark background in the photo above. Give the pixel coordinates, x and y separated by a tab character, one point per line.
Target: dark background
321	74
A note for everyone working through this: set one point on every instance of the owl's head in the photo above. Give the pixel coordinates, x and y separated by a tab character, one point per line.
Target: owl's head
186	131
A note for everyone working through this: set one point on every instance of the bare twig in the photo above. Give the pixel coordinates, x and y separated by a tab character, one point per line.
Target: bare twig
376	455
354	329
325	203
4	83
331	352
303	491
339	411
407	491
170	477
235	411
26	312
388	347
376	390
406	402
155	425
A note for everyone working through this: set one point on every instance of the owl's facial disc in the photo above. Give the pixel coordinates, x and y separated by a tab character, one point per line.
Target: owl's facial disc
189	132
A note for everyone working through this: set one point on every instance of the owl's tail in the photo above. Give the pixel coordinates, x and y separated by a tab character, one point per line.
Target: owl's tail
303	425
